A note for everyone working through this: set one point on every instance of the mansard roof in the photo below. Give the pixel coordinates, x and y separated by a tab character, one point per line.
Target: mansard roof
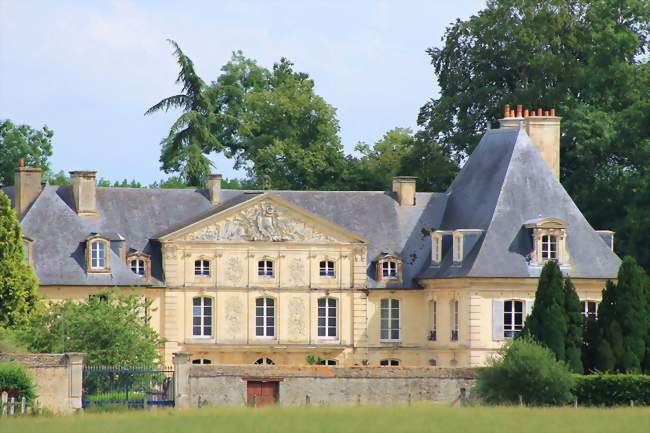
503	185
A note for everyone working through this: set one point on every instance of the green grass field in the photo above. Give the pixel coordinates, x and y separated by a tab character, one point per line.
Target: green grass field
414	419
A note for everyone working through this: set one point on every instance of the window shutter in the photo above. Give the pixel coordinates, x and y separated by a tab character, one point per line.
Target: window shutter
497	319
529	306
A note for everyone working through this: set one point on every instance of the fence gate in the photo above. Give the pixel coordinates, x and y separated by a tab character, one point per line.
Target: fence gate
134	387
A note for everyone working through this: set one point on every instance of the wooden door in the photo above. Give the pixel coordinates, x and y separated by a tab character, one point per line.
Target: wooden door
261	393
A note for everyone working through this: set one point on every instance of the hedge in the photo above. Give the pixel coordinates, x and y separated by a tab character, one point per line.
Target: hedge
15	380
612	389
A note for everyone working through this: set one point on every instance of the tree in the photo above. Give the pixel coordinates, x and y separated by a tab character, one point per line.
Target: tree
110	329
58	178
590	343
528	370
17	280
22	141
547	323
191	132
622	317
399	152
573	337
562	54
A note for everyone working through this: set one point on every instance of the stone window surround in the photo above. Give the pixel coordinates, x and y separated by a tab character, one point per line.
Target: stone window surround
327	316
548	227
265	317
328	265
202	316
380	266
141	256
107	254
390	328
513	329
201	259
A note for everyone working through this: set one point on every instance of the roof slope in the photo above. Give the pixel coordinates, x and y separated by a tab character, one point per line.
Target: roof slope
505	183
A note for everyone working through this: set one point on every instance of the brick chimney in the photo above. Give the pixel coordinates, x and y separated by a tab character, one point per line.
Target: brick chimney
214	188
84	190
27	186
404	188
543	128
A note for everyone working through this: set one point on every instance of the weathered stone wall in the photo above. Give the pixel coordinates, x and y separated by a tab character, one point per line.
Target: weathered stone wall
320	385
58	378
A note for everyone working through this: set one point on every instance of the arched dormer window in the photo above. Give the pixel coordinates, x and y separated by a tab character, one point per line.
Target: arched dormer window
140	264
548	237
97	254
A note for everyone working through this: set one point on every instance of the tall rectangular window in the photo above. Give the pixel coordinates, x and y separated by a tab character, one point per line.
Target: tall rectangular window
390	320
98	255
327	317
202	317
549	247
265	317
513	318
433	335
454	320
589	309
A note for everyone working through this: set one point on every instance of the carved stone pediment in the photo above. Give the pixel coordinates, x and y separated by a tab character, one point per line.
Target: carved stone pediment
264	221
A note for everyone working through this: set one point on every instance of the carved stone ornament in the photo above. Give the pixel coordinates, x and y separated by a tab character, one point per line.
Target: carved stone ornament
169	251
263	222
297	271
234	270
234	309
296	318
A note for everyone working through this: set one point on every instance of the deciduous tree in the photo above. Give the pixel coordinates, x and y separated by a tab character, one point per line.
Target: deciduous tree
22	141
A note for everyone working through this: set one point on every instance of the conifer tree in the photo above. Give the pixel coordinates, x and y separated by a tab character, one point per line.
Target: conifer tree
590	343
547	323
622	318
17	279
573	337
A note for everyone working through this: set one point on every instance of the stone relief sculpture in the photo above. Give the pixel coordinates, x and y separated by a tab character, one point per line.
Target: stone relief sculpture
234	270
297	272
296	318
234	310
263	222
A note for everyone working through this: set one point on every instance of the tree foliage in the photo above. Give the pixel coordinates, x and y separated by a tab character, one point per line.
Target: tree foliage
573	338
527	369
547	323
110	329
585	58
17	280
22	141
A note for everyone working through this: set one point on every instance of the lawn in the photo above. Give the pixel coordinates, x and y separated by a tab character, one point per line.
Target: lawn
418	418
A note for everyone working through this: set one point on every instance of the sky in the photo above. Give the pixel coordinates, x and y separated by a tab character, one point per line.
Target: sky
90	69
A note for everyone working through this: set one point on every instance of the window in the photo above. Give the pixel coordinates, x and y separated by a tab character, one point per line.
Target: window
202	268
265	361
589	309
389	269
327	268
549	247
98	254
389	362
328	362
389	319
265	317
265	268
327	317
454	320
202	317
201	361
513	318
138	266
433	335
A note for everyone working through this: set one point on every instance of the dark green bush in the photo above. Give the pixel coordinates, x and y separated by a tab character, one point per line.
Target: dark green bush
612	389
527	369
15	380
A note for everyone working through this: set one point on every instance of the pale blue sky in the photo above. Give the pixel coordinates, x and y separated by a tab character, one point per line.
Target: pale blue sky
89	70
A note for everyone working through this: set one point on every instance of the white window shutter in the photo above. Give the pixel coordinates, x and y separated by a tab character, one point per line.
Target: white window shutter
497	319
529	306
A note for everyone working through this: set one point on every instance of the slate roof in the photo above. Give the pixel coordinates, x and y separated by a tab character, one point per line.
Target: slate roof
504	183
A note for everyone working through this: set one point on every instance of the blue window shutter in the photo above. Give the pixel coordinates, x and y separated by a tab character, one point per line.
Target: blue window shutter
497	319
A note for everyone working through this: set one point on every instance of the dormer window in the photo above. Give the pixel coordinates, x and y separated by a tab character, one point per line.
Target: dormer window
265	268
548	237
389	269
98	254
138	266
549	247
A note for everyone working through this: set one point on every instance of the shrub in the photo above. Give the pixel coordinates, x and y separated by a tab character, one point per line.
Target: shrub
613	389
527	369
15	380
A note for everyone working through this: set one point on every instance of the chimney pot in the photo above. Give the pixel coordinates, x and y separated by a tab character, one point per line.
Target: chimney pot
519	107
539	111
507	111
553	112
512	113
526	112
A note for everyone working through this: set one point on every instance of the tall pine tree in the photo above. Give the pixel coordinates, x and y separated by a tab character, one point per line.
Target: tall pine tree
573	337
622	318
17	279
547	323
